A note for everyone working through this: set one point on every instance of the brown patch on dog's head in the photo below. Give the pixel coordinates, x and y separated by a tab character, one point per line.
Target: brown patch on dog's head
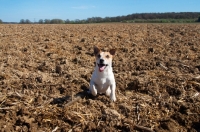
97	51
106	55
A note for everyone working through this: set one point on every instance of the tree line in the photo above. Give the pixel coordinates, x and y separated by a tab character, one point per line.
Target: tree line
41	21
148	16
136	17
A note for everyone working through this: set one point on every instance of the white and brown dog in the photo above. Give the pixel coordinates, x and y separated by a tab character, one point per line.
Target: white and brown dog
103	80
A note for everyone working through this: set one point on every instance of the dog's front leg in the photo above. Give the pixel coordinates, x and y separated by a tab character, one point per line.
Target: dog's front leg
112	94
93	89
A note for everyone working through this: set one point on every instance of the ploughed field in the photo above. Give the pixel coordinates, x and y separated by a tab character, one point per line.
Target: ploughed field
45	72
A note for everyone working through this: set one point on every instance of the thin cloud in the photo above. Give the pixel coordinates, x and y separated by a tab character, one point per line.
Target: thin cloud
82	7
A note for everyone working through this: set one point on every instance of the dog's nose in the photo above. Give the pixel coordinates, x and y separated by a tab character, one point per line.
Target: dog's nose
101	60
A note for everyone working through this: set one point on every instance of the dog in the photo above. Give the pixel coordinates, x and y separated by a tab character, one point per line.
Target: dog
102	80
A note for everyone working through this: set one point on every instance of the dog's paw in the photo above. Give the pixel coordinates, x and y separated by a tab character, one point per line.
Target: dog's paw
93	91
113	98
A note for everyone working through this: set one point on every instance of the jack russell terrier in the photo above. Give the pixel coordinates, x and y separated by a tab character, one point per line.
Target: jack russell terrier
103	80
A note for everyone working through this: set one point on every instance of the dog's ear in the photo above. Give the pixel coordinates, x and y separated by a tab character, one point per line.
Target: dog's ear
112	51
96	50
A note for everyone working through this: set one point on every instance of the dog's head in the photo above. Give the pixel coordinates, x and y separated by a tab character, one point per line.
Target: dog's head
103	59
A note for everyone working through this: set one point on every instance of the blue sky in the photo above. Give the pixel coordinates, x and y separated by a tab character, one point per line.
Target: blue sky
15	10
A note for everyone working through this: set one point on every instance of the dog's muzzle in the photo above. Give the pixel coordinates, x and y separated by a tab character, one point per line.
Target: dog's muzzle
102	67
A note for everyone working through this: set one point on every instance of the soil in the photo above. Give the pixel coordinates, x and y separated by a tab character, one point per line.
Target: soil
46	69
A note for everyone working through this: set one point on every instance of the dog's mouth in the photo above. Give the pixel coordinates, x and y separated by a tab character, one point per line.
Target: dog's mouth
102	67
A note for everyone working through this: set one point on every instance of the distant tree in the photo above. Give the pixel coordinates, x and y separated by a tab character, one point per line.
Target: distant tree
47	21
107	19
28	21
67	21
1	21
22	21
77	20
40	21
89	20
56	21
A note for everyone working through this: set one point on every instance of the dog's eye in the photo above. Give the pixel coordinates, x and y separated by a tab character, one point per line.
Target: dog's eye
98	55
107	56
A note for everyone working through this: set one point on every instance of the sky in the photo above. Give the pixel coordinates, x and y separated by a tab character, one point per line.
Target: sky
34	10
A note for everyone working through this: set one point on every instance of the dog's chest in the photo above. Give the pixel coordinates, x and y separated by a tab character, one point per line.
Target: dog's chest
102	81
